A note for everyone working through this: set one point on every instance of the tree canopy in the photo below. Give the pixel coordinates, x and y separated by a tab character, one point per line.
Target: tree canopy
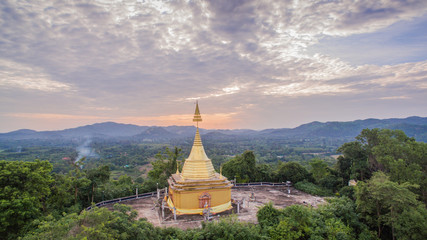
24	187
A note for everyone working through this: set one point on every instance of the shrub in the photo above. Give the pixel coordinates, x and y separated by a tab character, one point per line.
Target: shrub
312	189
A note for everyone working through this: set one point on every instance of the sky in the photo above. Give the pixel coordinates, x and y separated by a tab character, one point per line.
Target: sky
250	64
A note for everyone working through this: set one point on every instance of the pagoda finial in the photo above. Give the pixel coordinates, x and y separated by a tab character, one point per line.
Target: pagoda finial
197	117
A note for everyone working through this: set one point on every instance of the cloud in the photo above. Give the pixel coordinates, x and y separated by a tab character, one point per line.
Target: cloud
16	75
394	97
401	42
305	89
225	91
145	58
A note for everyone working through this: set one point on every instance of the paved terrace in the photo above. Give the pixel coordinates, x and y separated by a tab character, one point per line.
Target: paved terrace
150	208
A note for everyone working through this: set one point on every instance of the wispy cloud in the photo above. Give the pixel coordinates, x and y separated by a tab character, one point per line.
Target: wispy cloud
17	75
394	97
225	91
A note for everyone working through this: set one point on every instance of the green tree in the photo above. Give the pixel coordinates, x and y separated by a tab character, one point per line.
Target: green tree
390	151
77	182
124	186
324	176
24	188
243	167
336	220
296	223
382	203
268	216
61	198
264	173
292	171
228	228
300	222
97	176
403	159
163	168
173	157
98	223
354	162
319	169
412	223
345	210
369	138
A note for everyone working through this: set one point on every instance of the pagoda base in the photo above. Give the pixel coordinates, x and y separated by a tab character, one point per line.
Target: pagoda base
192	196
213	210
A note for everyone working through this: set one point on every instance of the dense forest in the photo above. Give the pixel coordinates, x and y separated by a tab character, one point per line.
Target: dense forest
44	199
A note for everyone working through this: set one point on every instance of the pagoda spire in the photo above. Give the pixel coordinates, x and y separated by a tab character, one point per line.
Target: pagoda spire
197	165
197	117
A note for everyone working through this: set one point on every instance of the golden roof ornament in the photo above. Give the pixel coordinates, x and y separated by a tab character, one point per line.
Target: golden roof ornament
197	117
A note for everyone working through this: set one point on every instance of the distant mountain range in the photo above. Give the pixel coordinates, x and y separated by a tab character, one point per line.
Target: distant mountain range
413	126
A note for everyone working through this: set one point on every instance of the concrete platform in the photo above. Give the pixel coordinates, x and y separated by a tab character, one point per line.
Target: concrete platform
150	208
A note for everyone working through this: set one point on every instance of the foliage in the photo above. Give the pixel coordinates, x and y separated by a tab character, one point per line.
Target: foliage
97	176
385	203
229	228
268	216
312	189
163	168
264	173
101	223
344	209
242	167
61	198
412	223
292	171
319	169
24	187
29	191
98	223
391	151
334	221
124	186
347	191
296	223
353	163
324	176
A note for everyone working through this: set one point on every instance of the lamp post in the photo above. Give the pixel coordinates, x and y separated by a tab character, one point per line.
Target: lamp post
102	195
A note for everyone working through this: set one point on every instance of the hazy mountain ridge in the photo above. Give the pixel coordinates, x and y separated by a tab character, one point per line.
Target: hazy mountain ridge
156	133
412	126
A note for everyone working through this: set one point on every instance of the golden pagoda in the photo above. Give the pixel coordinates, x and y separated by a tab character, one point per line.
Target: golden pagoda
198	186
